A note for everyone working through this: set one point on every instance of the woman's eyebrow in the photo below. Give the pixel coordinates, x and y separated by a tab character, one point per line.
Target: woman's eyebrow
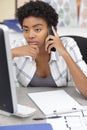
36	25
24	26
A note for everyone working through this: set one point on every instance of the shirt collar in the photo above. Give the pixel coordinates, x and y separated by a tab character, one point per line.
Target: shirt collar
54	56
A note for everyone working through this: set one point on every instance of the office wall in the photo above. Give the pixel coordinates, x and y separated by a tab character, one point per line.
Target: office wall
21	2
7	9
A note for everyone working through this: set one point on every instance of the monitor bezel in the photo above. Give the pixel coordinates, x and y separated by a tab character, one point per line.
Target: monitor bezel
12	86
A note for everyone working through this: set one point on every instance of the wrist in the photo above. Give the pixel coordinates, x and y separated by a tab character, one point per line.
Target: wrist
13	53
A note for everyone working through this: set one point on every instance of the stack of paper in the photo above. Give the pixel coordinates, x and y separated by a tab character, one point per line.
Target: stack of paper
72	115
54	101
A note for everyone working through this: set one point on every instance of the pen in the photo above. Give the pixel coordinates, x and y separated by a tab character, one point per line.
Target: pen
44	118
54	117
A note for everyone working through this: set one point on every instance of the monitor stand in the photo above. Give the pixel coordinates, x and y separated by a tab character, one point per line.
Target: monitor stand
22	111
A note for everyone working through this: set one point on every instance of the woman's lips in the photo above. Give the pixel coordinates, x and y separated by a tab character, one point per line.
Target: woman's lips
32	43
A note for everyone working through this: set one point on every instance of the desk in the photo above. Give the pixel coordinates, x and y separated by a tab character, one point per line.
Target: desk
23	99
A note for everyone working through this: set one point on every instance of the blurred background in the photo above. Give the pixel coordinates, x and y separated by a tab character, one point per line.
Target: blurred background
72	13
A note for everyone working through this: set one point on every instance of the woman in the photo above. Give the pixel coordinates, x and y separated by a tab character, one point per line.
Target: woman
35	62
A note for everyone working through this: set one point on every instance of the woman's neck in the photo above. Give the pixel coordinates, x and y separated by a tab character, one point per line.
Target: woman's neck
43	55
42	63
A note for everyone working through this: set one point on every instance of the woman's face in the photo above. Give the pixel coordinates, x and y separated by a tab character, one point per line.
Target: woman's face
35	31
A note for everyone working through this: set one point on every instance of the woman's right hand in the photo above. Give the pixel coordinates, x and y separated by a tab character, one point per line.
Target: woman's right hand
26	50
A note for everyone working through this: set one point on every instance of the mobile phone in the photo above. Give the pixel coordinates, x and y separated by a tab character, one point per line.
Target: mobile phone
50	32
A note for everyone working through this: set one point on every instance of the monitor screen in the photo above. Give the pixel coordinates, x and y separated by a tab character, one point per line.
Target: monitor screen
8	101
8	98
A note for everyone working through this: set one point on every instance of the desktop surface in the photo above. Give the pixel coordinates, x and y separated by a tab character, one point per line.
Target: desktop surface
24	99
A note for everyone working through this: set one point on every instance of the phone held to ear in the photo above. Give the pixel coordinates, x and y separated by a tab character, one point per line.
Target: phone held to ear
50	32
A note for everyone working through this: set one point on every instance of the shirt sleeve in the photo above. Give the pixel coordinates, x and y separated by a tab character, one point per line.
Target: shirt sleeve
18	43
73	49
14	44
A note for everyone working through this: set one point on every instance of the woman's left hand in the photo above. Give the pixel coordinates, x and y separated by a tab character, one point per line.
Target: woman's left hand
54	41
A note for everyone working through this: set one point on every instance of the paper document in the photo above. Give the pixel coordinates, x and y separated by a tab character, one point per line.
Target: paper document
54	101
68	123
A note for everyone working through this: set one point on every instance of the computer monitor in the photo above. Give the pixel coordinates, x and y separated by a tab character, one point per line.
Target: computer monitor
8	98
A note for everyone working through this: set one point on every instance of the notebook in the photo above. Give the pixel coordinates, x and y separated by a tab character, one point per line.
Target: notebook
54	101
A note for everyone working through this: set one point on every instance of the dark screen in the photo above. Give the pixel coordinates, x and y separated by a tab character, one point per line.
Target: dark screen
5	90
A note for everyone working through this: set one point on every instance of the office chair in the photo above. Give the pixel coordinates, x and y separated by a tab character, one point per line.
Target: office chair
82	44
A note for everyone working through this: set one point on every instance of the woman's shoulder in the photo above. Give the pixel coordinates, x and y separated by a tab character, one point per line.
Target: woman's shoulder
66	38
68	41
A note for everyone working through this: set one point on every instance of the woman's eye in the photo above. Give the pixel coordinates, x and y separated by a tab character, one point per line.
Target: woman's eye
37	30
25	30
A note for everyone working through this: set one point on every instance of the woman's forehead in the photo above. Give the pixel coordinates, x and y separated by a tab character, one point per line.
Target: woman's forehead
34	21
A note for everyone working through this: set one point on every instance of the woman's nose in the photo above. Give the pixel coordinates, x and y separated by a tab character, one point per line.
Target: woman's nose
31	34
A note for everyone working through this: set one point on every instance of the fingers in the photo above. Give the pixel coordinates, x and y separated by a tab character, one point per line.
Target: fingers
54	32
52	41
26	50
34	48
49	45
33	51
50	36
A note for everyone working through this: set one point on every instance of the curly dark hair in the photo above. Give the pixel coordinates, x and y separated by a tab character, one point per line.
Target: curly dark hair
38	9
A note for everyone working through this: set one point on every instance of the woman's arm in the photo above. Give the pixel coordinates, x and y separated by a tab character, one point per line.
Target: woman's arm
78	76
26	50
